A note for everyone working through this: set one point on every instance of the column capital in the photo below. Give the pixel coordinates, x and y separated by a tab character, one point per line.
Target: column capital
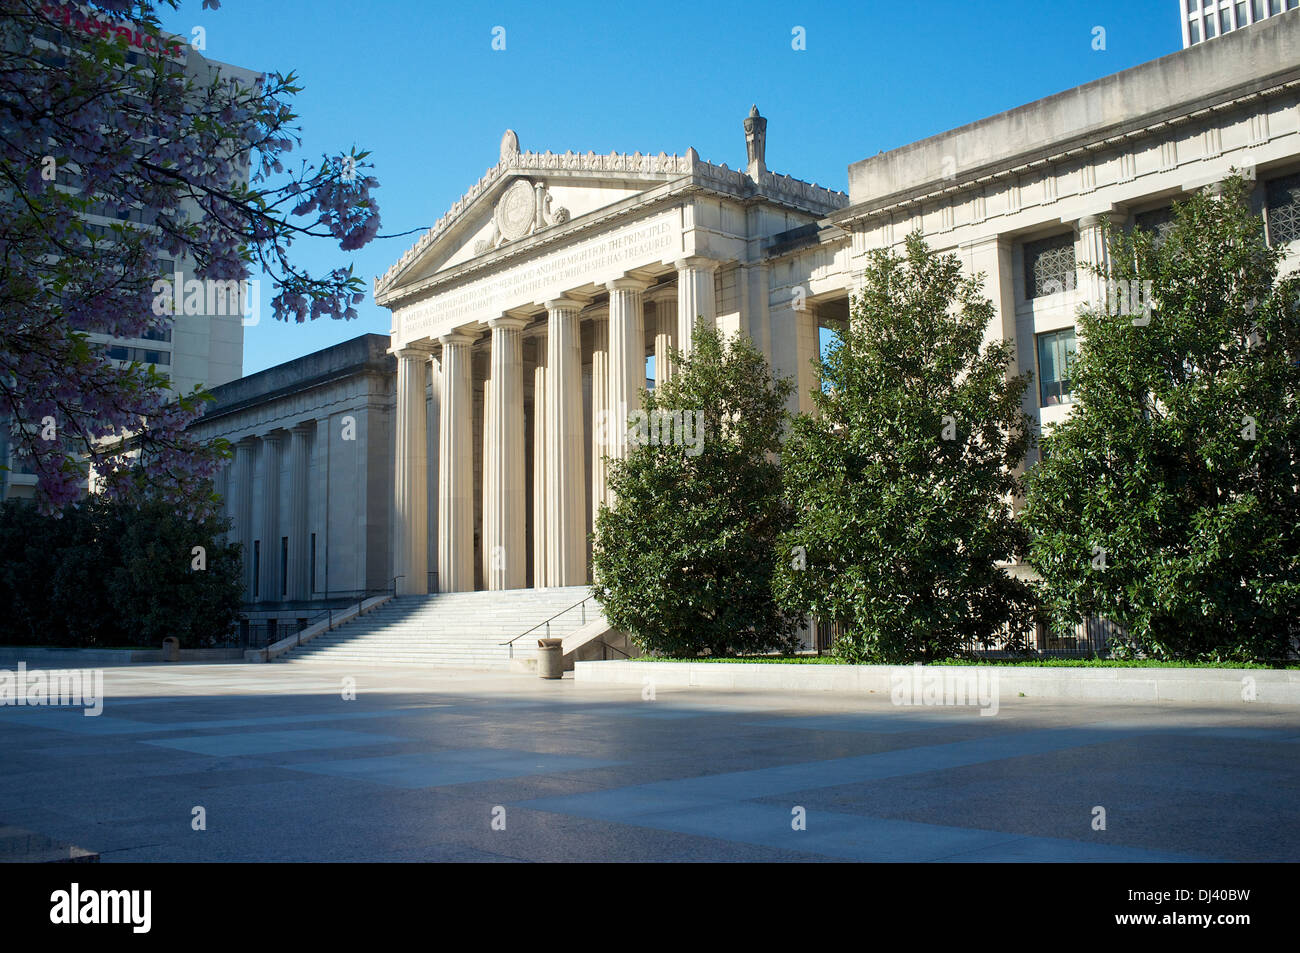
663	292
627	283
566	303
698	262
455	338
275	436
1111	216
508	322
997	238
413	350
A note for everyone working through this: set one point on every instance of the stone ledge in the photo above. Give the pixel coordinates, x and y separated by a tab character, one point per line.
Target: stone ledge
1271	686
51	657
289	643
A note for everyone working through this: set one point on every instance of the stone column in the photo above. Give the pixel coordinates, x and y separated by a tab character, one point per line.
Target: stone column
665	337
241	508
626	358
220	486
695	298
566	476
486	512
325	431
600	416
1093	251
456	468
272	446
541	496
410	489
299	495
507	562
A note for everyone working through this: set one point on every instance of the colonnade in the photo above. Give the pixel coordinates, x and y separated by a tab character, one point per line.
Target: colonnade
567	445
282	568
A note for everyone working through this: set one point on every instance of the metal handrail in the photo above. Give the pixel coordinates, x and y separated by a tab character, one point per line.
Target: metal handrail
329	613
547	623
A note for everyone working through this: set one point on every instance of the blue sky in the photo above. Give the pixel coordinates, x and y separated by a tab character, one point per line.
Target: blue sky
419	85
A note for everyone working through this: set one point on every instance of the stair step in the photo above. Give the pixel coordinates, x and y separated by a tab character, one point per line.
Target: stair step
451	629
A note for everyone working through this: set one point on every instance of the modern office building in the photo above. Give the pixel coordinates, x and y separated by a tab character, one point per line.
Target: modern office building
1205	19
199	349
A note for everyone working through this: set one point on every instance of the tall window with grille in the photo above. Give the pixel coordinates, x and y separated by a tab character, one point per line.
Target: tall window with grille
1283	210
1158	221
1049	266
1055	359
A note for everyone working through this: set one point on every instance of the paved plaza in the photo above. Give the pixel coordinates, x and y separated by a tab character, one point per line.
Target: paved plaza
423	766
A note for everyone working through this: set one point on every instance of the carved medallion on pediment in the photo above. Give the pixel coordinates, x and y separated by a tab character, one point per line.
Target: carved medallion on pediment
516	210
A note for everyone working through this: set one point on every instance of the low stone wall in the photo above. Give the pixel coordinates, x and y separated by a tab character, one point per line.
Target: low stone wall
1220	685
100	658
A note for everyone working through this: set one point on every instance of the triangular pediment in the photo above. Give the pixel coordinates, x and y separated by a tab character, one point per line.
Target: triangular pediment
524	194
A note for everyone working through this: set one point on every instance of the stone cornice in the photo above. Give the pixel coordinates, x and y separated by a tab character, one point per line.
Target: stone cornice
662	168
1016	165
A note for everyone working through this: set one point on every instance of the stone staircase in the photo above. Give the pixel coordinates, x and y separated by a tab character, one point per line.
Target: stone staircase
455	630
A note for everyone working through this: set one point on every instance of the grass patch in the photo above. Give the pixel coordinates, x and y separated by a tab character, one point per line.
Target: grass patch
1016	663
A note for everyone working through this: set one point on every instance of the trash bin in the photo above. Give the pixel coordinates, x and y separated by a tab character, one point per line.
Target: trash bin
550	658
171	649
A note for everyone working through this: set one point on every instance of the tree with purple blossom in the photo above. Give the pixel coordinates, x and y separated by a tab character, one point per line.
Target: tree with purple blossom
109	116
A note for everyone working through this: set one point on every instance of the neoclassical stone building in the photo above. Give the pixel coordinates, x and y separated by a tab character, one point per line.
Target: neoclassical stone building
523	321
309	487
525	316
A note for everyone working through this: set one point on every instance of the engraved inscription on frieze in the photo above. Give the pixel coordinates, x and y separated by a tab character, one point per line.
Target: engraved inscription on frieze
595	260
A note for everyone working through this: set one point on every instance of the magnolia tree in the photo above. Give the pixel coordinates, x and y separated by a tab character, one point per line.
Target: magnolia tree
109	573
1169	500
901	485
110	122
683	558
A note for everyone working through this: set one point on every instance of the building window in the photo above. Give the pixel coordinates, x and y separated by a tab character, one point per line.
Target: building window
119	352
1158	221
1055	359
313	562
1284	210
1049	266
257	567
284	565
